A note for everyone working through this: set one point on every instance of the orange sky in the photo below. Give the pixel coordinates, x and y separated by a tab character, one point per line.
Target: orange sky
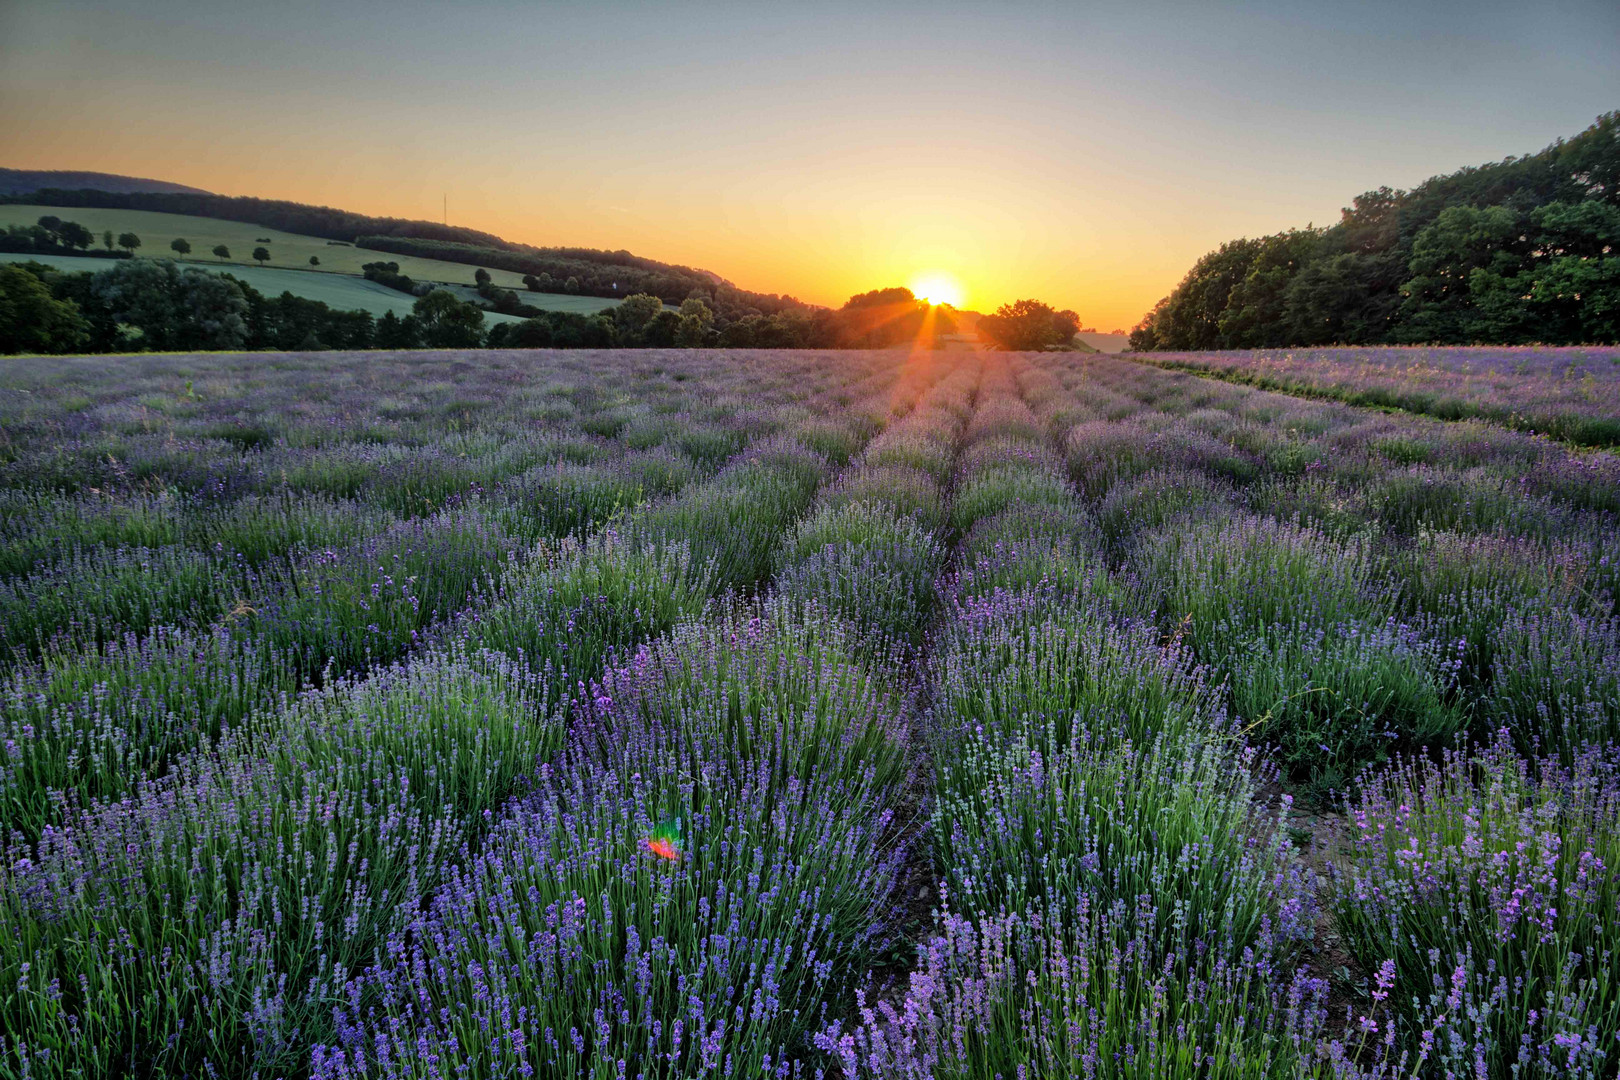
1081	156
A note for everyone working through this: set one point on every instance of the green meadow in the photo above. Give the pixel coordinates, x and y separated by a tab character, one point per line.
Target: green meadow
336	281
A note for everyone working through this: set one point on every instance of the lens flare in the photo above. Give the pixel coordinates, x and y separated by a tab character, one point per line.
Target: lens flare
665	840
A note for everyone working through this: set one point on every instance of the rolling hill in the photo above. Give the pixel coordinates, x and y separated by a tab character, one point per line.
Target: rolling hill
341	292
287	249
608	274
25	181
337	281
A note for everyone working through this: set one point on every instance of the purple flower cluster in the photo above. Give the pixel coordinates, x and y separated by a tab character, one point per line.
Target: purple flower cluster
1487	893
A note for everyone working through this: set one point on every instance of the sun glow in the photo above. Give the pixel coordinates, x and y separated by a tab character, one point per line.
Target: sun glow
937	288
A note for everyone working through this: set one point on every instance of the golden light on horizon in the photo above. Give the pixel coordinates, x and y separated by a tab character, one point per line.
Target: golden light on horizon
937	287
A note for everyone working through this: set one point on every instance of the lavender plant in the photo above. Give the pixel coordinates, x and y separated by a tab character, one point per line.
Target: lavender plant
1484	891
568	946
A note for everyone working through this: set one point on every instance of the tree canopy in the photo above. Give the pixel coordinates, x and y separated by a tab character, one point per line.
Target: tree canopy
1517	251
1029	325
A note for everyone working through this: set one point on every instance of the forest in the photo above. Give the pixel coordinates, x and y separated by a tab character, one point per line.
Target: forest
1520	251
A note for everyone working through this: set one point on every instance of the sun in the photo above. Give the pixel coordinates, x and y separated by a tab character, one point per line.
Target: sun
937	288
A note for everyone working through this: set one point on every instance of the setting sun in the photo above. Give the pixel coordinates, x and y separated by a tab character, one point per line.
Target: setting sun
937	288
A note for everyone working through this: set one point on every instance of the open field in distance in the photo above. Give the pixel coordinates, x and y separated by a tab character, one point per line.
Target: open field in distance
287	249
343	292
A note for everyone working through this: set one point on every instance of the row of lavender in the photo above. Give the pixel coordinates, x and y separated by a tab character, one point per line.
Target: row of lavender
1107	909
208	909
775	733
123	657
152	455
1568	393
1366	582
1477	886
1121	901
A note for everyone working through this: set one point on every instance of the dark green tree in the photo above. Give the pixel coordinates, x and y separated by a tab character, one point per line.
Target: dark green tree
261	254
75	235
396	333
448	323
696	324
1347	299
1253	314
661	330
129	242
1028	325
180	247
528	334
107	238
221	251
481	276
32	320
1443	296
314	260
174	309
630	317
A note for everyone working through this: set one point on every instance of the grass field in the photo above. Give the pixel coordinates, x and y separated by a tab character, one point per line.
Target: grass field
291	253
685	713
341	291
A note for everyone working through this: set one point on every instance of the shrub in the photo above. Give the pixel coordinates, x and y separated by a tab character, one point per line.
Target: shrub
1332	700
1077	991
91	722
1135	507
1235	580
373	601
211	919
998	487
908	492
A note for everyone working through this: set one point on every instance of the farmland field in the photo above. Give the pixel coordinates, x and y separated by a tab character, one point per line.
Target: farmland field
1568	393
287	249
342	292
337	281
683	713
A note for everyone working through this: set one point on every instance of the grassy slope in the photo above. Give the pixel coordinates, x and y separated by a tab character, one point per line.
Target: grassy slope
290	254
341	291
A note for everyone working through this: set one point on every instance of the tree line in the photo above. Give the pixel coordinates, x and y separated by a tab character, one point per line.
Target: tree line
1524	250
583	272
53	236
158	305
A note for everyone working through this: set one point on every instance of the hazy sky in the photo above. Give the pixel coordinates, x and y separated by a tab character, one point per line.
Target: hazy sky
1084	154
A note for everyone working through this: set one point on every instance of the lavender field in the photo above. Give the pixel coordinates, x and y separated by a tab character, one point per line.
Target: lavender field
1570	393
682	713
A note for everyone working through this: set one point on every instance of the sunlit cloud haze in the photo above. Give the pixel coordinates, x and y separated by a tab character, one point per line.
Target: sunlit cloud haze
1082	154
